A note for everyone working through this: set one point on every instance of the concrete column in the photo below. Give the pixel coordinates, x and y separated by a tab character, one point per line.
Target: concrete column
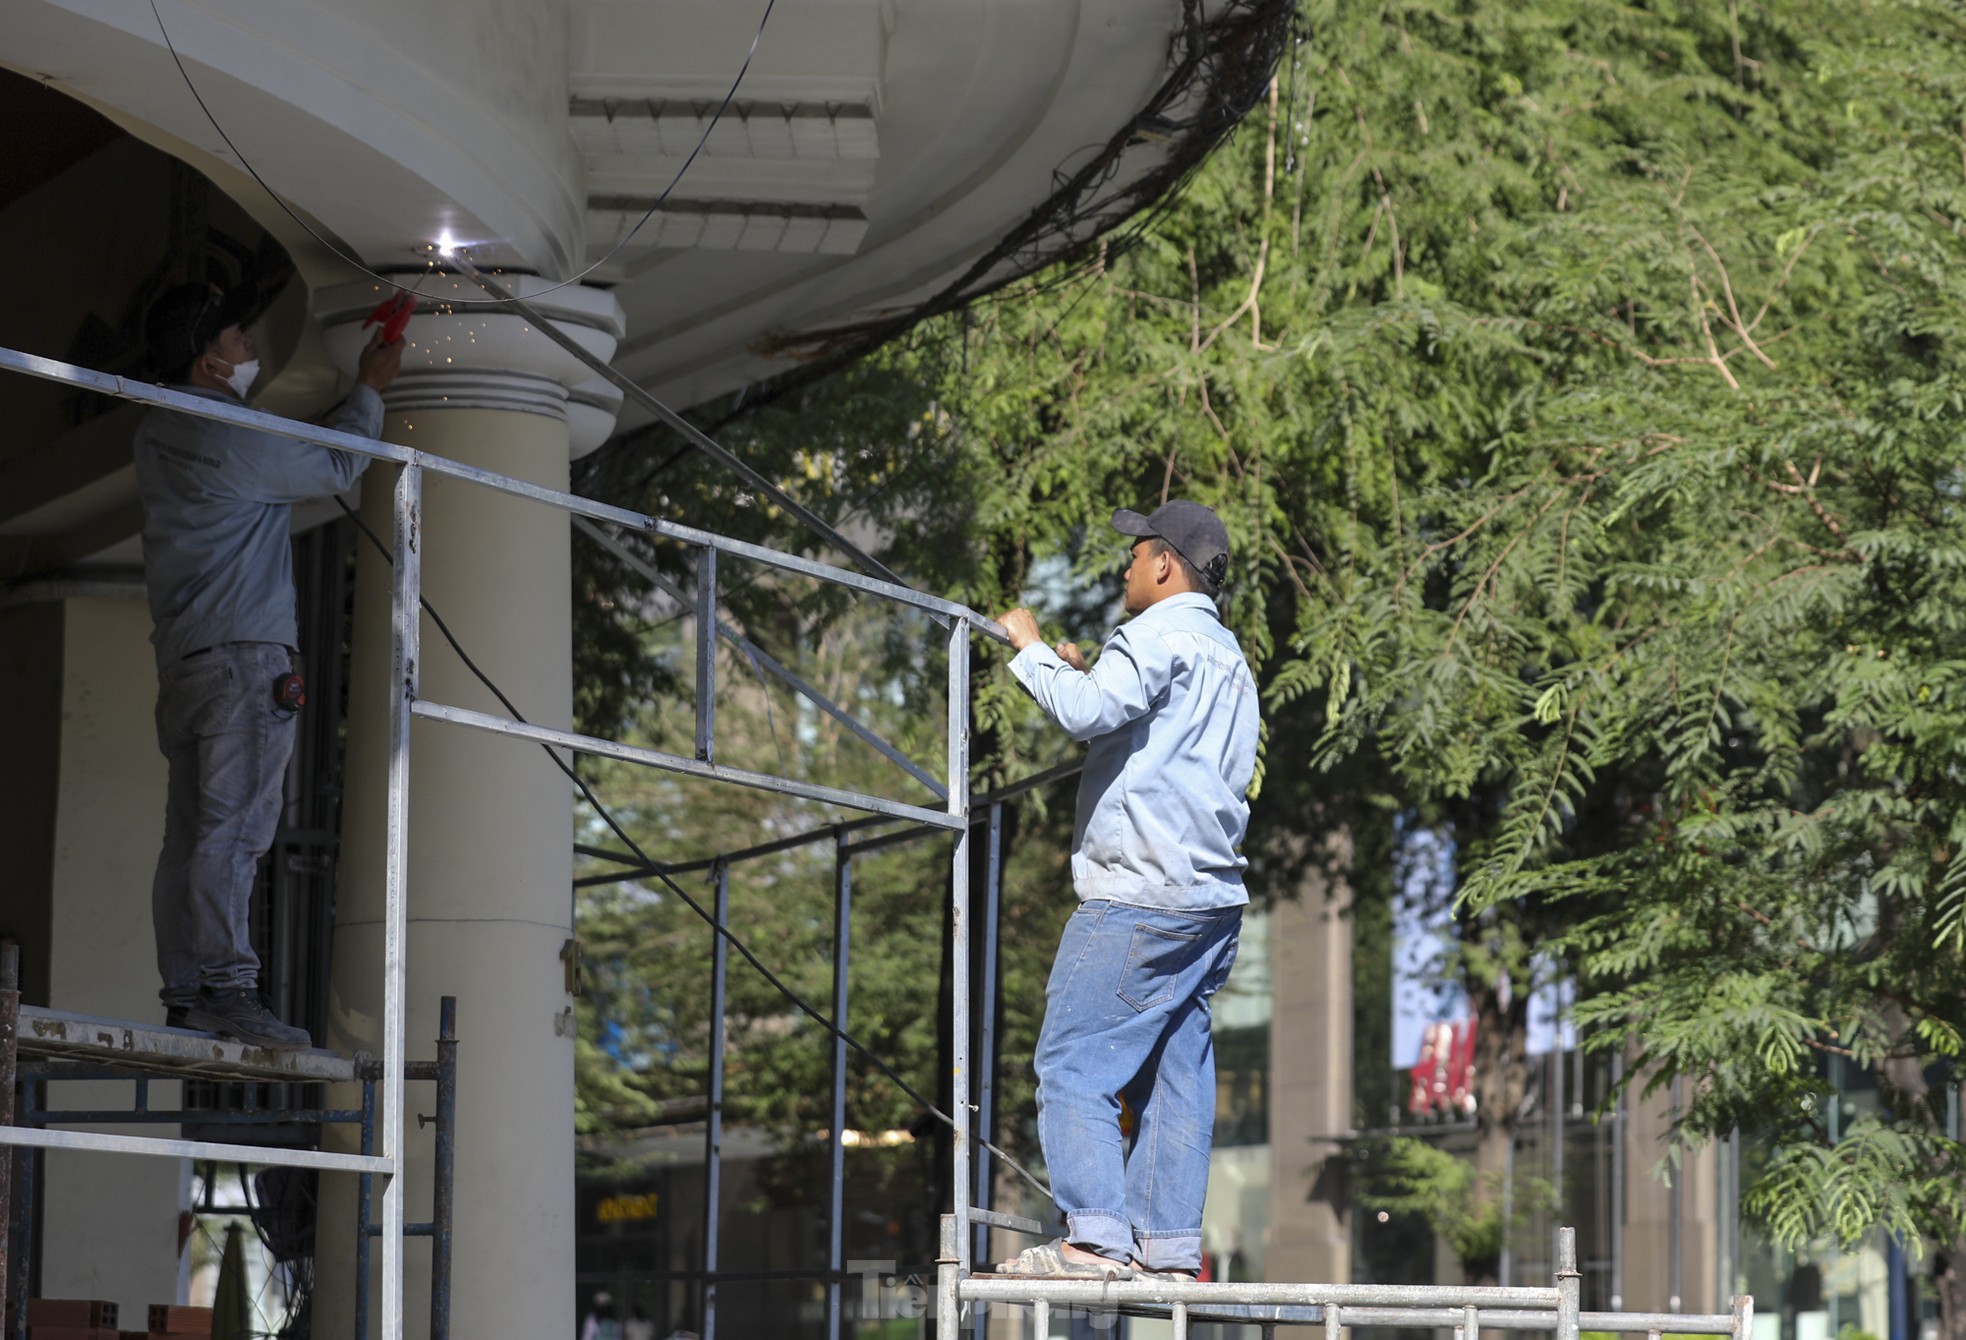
1650	1214
1310	1086
490	826
110	1222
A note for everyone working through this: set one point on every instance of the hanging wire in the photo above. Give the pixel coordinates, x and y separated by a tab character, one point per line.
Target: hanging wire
778	984
640	223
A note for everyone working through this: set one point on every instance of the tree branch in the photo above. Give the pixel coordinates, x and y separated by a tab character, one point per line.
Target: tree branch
1249	303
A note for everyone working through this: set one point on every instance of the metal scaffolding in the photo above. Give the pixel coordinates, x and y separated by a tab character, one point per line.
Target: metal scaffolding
42	1046
961	1295
964	1299
407	703
850	840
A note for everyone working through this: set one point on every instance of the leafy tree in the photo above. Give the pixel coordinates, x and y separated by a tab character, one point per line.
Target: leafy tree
1695	616
1579	384
1580	389
1692	619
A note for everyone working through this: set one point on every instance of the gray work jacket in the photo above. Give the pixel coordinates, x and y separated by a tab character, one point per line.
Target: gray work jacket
216	510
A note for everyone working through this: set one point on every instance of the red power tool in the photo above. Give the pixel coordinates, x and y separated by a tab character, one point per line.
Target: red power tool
393	313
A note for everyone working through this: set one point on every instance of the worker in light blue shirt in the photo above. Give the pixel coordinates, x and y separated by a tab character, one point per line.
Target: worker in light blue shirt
219	571
1170	714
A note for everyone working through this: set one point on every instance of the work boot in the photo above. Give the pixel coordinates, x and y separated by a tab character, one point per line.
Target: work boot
241	1014
174	1016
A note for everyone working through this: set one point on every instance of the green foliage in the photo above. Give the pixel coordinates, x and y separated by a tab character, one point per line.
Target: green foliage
871	452
1690	615
1414	1177
1406	1175
1898	1176
1581	386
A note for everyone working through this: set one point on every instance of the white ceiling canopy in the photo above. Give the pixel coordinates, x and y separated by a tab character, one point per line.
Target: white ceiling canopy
869	153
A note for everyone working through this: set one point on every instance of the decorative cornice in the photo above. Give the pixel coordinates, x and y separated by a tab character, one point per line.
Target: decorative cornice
422	391
464	353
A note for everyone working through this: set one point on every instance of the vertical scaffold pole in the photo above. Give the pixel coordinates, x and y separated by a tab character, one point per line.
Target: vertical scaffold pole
948	1274
442	1200
713	1126
986	1059
364	1208
9	1043
1676	1213
1743	1310
405	665
706	654
27	1165
1569	1286
836	1195
960	1176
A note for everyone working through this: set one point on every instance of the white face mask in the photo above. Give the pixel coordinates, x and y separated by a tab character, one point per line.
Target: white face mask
243	374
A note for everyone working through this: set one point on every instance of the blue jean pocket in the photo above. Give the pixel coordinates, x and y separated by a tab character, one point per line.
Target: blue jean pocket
1154	963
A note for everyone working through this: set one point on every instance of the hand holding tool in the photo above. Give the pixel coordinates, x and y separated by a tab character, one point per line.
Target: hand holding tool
392	314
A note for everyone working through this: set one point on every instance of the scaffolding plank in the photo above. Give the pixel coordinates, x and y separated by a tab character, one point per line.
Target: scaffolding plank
147	1049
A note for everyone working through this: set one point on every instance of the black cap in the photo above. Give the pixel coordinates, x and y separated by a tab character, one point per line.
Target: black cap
183	322
1194	531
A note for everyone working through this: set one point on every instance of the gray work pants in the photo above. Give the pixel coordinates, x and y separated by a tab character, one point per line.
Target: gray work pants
228	744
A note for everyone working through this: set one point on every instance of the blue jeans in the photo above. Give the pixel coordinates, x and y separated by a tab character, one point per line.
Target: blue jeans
228	744
1126	1014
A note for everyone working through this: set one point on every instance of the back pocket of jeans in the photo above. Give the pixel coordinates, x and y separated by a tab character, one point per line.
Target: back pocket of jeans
1154	961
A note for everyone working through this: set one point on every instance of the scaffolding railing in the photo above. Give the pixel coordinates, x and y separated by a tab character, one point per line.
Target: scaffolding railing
851	841
963	1299
407	703
960	1288
39	1047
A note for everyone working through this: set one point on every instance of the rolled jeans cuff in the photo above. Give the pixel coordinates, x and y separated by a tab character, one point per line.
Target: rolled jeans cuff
1104	1231
1171	1250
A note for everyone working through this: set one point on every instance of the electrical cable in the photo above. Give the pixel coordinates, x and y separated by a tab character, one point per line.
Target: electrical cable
703	442
692	904
640	223
764	691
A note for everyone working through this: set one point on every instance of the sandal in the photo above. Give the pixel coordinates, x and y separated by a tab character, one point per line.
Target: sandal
1048	1261
1148	1273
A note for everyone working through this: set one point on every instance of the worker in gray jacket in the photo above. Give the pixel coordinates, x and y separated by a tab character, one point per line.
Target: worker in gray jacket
219	570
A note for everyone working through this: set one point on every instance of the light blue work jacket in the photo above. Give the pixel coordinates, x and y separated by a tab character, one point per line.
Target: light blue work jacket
216	509
1170	712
